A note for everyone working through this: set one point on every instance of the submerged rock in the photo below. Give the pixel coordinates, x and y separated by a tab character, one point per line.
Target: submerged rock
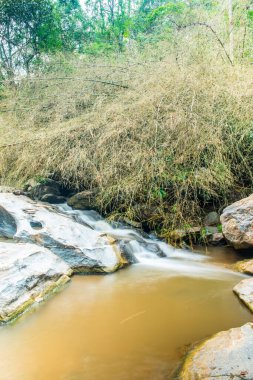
131	223
28	274
244	266
237	223
227	355
244	290
84	249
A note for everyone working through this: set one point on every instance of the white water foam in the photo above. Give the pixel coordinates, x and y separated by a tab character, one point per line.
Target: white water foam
151	252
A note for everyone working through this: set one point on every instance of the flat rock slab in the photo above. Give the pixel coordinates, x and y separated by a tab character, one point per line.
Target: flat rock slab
227	355
28	274
84	249
237	223
244	290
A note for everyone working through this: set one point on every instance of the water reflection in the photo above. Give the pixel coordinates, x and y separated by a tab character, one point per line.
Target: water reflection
132	324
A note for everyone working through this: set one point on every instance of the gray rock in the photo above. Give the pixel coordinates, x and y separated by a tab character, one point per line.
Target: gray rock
28	274
129	222
217	239
8	226
237	223
48	186
52	198
244	290
227	355
210	230
128	252
84	249
212	219
82	201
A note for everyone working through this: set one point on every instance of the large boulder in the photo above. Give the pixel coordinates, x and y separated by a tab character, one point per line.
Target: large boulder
227	355
244	290
83	200
28	274
47	186
237	223
84	249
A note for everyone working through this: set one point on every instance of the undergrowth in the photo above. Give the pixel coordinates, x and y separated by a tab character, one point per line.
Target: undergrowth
158	141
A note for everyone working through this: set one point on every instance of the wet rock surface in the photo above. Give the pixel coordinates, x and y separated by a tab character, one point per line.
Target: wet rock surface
82	248
227	355
244	290
38	190
28	274
52	198
83	200
244	266
237	223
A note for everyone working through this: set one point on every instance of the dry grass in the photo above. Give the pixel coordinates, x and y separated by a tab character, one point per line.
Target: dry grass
176	142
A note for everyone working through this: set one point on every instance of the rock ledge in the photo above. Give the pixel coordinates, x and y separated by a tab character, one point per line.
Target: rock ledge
28	275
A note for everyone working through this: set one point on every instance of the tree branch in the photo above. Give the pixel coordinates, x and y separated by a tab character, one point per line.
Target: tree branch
179	27
68	78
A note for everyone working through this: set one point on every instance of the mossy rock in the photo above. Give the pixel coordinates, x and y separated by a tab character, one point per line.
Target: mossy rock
84	200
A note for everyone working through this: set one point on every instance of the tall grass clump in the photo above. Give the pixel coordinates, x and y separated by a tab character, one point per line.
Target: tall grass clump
158	141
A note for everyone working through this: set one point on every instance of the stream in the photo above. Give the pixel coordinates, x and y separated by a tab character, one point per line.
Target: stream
134	324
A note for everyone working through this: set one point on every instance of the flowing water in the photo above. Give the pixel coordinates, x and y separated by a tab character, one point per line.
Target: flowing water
134	324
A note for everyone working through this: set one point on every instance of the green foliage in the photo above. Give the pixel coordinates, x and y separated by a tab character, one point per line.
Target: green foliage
159	193
32	30
25	29
219	227
72	25
172	8
29	29
40	179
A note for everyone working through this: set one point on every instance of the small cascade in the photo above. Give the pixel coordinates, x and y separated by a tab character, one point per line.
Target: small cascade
148	250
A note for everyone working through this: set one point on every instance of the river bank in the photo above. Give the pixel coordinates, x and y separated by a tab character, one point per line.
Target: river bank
172	146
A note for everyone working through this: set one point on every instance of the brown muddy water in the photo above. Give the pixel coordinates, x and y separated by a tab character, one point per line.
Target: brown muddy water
134	324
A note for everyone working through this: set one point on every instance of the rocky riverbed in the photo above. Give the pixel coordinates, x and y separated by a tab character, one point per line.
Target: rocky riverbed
229	354
45	245
43	249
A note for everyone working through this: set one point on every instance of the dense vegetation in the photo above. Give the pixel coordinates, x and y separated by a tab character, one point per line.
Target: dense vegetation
147	103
